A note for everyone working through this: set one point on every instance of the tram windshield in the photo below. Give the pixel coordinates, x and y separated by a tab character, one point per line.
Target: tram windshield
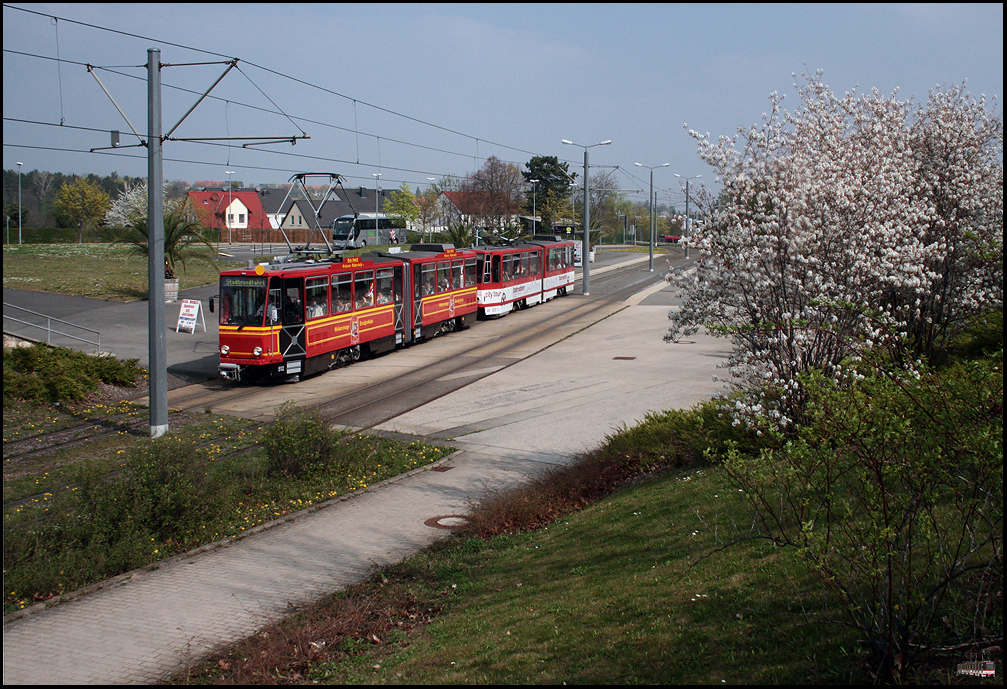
242	299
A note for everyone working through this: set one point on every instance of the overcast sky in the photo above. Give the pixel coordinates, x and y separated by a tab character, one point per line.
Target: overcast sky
427	90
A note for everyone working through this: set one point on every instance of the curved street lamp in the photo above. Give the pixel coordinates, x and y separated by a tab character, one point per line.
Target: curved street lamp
687	237
585	251
650	202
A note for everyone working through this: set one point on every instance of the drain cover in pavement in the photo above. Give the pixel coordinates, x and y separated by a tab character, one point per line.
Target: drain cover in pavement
447	521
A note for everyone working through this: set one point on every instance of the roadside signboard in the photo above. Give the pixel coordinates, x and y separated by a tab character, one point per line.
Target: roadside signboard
188	315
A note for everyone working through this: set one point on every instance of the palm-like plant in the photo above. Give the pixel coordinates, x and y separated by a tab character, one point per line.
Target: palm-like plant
460	235
181	233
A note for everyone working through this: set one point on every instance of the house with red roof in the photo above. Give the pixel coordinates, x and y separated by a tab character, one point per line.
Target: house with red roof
237	214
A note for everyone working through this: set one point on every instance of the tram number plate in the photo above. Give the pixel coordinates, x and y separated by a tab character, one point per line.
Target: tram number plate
294	366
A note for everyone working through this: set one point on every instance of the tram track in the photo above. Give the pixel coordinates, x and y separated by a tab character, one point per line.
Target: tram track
365	407
386	393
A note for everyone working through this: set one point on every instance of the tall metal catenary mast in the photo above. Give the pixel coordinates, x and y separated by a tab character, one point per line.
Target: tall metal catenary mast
156	327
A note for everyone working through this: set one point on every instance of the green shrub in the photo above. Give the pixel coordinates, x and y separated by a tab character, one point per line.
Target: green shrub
171	488
682	437
893	493
41	373
298	442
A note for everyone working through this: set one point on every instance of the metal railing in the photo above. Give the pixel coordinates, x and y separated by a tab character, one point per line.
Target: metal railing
48	327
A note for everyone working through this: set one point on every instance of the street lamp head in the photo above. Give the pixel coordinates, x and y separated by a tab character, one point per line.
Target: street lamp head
665	164
564	141
604	143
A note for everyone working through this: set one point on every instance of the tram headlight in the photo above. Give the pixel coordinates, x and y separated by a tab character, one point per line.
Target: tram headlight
224	349
257	351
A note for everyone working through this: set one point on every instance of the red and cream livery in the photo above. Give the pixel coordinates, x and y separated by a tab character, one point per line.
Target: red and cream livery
523	274
298	318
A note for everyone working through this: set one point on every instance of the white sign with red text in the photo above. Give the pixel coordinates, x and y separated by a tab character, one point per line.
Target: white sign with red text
188	315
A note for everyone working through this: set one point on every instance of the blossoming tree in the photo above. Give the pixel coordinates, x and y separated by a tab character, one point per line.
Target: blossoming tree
854	222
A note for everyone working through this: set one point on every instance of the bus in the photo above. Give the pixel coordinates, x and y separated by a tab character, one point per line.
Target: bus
354	231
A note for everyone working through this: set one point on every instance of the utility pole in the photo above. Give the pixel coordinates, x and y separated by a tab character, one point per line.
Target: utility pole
586	246
156	326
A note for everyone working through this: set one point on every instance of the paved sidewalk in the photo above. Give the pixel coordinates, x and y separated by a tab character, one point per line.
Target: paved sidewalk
140	627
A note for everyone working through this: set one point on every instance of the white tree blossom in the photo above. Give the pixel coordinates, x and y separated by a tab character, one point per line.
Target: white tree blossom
854	222
131	205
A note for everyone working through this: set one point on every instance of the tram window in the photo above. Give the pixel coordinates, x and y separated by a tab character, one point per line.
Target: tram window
458	270
534	264
293	304
342	293
429	279
317	290
275	302
496	268
507	273
363	286
444	276
470	272
525	264
385	292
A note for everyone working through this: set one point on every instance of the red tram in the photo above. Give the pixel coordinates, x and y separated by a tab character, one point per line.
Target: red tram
524	274
294	319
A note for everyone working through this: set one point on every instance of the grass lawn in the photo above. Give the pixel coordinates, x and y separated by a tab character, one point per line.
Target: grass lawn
103	271
630	590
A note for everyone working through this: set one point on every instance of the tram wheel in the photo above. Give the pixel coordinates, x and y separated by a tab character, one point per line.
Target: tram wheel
355	353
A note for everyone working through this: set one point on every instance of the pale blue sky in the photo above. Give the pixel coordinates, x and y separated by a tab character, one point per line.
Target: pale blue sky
504	80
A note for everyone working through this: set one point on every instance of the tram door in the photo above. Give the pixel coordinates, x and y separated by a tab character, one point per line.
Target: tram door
290	292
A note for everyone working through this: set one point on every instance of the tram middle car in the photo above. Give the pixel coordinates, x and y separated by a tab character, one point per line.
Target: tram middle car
524	274
295	319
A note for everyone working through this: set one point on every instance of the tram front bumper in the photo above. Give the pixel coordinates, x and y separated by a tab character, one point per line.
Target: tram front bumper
230	372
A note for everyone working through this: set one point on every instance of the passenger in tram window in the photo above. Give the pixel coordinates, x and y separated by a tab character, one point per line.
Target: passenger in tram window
272	313
316	309
291	311
367	299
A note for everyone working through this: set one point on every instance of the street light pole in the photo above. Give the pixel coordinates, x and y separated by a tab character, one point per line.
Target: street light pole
429	179
20	212
227	213
585	251
377	178
650	202
687	234
534	190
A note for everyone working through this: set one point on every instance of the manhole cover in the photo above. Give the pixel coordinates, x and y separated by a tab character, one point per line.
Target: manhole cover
447	521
